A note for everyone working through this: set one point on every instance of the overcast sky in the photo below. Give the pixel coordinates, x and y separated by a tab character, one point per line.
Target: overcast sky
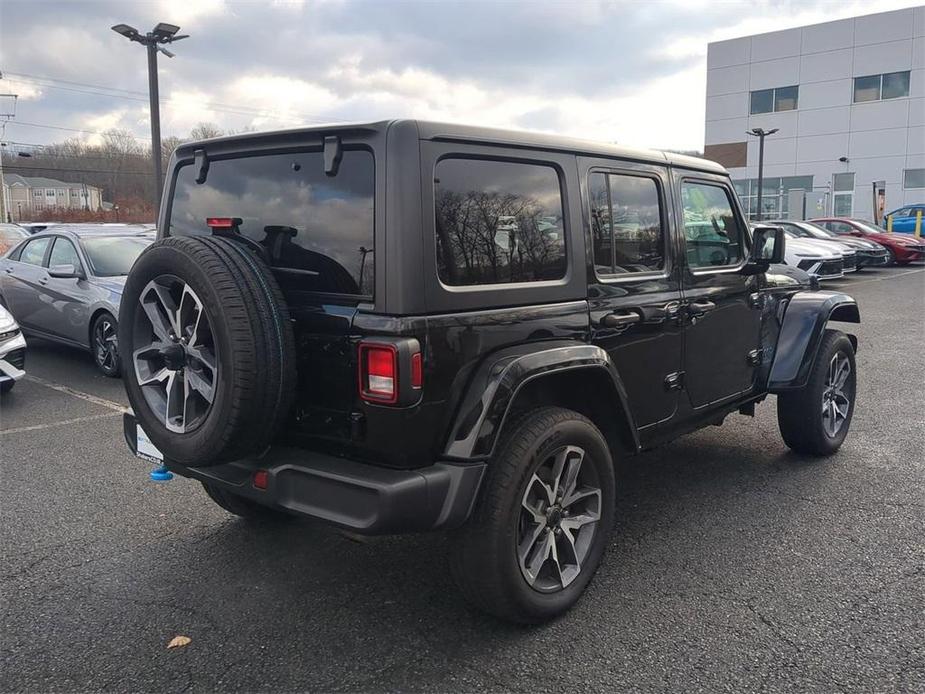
630	72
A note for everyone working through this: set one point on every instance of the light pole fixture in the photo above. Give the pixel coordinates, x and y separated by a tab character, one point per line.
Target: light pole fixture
761	133
154	42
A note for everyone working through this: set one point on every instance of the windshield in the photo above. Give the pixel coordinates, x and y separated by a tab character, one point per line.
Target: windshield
818	231
113	256
866	227
316	229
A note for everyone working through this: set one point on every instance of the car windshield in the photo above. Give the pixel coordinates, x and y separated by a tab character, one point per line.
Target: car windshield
866	227
113	256
818	231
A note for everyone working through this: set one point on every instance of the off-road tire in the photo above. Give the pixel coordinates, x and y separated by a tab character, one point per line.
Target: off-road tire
244	507
483	553
254	342
799	412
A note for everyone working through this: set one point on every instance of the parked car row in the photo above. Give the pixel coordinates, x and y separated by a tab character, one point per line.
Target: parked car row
65	284
831	247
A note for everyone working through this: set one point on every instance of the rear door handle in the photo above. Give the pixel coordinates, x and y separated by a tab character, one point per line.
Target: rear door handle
698	308
621	319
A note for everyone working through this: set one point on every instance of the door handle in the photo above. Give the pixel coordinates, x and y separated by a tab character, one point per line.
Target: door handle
698	308
43	281
621	319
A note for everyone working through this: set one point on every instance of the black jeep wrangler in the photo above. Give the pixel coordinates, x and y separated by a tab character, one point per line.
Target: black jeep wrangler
404	326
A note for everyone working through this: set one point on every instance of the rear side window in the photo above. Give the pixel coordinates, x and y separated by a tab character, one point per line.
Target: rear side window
317	230
711	228
34	252
626	224
498	222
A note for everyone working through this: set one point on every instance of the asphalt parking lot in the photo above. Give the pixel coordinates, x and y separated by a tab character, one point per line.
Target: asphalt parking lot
735	565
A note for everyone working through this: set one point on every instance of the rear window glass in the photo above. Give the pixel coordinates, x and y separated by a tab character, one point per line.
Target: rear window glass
498	222
317	230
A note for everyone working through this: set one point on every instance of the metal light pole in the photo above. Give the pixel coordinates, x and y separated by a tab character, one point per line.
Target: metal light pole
152	41
761	133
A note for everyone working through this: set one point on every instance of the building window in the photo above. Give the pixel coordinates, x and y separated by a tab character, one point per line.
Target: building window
626	224
50	193
778	99
498	222
37	193
843	194
890	85
913	178
74	192
775	201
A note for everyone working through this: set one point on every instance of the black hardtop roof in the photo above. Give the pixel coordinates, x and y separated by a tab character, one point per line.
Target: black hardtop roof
430	130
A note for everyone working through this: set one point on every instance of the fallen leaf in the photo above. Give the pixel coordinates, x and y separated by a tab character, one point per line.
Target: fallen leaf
179	641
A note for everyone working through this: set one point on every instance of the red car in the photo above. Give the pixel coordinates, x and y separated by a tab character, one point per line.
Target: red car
903	248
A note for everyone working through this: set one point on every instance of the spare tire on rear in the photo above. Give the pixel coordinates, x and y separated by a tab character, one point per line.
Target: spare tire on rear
207	349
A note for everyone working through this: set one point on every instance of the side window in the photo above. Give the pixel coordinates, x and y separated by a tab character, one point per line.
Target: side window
498	222
63	253
626	224
34	251
711	228
840	227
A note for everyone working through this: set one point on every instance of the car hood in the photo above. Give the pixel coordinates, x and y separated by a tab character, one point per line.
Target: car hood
822	249
113	284
894	239
860	244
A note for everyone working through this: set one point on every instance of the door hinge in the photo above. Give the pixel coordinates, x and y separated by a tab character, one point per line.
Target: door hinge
674	381
754	357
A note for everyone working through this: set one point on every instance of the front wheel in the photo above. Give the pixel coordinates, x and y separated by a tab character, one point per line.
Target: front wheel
543	520
105	345
815	419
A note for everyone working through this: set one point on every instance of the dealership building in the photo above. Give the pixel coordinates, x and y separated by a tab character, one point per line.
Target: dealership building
847	99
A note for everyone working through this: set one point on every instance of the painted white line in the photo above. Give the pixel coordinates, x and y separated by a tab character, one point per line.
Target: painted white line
881	279
63	422
102	402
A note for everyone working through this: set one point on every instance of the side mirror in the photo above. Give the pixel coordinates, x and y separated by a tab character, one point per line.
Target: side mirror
64	272
767	247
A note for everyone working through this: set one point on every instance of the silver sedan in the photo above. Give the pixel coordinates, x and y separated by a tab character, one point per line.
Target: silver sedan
65	284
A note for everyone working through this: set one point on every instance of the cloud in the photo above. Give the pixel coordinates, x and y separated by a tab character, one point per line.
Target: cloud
627	72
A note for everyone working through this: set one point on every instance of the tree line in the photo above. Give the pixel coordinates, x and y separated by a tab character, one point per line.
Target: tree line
119	164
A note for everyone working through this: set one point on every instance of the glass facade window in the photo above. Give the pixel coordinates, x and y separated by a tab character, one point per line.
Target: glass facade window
778	99
890	85
843	182
914	178
843	194
775	201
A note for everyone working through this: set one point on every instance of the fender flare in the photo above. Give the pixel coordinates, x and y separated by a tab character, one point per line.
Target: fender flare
494	387
803	324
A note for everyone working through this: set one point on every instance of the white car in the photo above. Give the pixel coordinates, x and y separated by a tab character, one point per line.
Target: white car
814	257
848	255
12	351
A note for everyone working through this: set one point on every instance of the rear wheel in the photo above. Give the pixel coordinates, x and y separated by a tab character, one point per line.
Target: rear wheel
105	345
541	525
815	419
242	506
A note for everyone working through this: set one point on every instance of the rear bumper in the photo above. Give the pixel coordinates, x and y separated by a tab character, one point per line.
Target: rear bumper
365	498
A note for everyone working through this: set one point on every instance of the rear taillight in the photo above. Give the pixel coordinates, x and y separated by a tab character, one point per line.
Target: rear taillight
378	372
391	371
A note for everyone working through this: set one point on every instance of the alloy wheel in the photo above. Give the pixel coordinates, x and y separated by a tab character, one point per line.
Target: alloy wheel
560	509
176	355
836	402
105	344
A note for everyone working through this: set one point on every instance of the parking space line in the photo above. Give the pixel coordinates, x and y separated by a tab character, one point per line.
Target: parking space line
102	402
881	279
63	422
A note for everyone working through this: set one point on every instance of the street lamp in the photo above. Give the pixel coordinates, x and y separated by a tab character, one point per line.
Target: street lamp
761	133
153	41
